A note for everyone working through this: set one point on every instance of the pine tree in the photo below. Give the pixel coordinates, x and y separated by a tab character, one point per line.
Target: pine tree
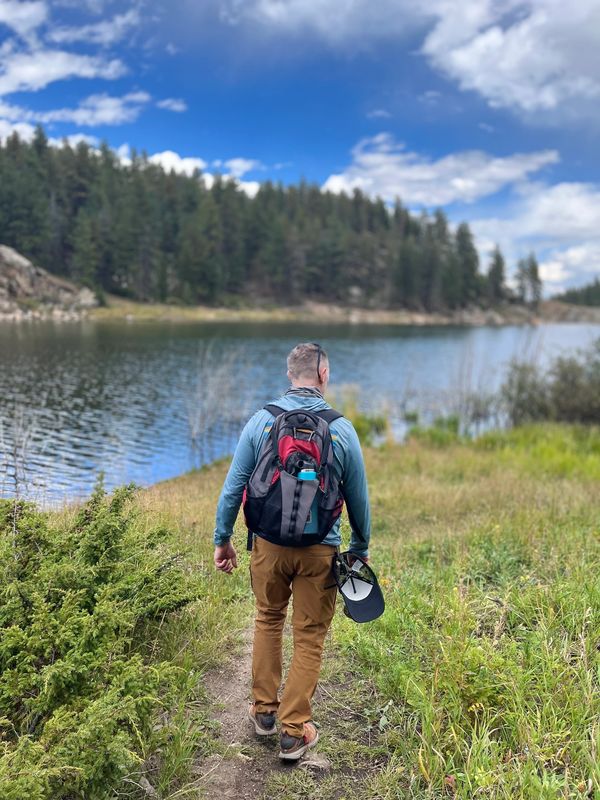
496	277
535	282
469	264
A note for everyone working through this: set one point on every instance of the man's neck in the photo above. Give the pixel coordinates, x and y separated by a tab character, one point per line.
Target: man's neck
305	389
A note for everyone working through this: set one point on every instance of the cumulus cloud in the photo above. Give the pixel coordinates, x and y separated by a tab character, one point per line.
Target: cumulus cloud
382	167
30	71
102	33
336	22
97	109
532	56
560	222
23	18
173	104
250	188
238	167
24	130
169	160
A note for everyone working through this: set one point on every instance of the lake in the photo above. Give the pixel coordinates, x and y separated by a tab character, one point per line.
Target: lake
147	401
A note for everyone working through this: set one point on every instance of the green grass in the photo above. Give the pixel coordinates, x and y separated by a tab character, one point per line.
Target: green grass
488	651
482	679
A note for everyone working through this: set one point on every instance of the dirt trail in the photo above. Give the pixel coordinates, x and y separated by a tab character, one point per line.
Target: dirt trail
247	760
247	767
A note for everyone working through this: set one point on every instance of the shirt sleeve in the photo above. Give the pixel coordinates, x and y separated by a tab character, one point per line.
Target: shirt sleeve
244	460
356	495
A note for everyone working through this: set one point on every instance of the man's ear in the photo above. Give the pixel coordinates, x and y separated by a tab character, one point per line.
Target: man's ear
289	376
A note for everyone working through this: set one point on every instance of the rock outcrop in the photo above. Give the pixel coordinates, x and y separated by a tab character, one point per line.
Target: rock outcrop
29	292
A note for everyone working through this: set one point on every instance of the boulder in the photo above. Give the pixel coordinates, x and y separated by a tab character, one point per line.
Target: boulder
28	291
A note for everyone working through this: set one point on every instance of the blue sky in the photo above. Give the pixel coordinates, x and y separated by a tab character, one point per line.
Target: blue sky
488	109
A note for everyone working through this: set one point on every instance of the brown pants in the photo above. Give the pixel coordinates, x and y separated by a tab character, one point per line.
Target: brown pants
277	573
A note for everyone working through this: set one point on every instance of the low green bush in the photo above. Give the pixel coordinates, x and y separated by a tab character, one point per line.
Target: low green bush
568	391
77	699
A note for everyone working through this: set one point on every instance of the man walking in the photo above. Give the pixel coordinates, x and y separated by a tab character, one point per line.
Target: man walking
279	572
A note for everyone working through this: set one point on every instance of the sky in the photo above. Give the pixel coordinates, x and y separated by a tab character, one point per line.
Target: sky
488	109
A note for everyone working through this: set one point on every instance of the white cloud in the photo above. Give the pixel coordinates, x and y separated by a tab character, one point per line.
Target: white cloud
531	56
23	18
102	33
561	223
538	57
169	160
249	187
238	167
26	132
336	22
378	113
74	139
382	167
173	104
97	109
31	71
23	129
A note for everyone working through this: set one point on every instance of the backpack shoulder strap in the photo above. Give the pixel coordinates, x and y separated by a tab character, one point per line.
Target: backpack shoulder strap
329	415
274	410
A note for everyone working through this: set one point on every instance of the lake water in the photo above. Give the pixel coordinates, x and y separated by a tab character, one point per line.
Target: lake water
146	401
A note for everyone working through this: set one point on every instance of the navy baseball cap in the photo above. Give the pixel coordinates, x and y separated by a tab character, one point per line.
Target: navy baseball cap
358	585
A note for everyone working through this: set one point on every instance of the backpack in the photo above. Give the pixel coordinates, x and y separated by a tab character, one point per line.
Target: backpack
279	499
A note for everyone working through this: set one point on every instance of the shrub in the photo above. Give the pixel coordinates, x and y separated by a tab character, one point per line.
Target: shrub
77	702
569	391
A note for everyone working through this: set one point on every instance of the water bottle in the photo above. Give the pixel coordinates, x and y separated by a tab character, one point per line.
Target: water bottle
312	523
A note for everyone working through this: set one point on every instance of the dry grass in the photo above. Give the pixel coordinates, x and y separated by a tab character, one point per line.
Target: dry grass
482	675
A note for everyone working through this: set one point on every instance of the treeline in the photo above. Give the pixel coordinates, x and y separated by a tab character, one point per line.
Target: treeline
585	296
141	232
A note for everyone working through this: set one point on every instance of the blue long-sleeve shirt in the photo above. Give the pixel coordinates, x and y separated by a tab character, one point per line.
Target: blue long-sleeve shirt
348	465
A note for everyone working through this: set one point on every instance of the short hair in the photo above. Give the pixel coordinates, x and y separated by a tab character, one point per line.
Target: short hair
302	361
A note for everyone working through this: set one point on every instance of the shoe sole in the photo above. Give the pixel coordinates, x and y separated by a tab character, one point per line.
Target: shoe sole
259	730
296	754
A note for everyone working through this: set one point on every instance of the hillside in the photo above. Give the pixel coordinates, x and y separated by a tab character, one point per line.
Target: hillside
29	292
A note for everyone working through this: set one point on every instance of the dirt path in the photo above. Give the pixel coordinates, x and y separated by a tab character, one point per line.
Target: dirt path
247	767
242	768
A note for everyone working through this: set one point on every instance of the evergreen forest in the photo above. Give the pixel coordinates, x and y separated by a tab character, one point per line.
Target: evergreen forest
138	231
584	296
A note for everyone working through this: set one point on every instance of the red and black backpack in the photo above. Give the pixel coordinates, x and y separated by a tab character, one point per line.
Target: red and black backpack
277	502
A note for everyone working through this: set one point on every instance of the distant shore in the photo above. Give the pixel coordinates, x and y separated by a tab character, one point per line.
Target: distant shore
323	313
118	308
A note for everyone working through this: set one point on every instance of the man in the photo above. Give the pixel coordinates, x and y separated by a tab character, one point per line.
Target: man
278	572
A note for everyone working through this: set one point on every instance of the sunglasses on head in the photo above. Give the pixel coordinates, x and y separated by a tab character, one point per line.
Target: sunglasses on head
319	352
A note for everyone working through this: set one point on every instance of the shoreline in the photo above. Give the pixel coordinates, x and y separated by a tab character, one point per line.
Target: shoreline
312	312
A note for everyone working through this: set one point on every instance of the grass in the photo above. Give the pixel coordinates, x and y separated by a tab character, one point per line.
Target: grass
482	678
117	308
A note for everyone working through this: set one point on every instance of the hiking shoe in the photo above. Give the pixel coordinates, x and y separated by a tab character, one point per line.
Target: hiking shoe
293	747
264	724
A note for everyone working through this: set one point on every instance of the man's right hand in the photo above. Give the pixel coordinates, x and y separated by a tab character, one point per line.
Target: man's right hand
225	557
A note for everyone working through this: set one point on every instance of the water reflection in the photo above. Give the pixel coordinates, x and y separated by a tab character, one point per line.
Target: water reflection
137	401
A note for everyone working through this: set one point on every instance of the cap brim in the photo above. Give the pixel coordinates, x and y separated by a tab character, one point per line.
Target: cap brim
369	608
363	598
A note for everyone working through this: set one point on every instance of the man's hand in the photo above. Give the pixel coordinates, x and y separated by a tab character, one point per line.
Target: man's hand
225	557
364	558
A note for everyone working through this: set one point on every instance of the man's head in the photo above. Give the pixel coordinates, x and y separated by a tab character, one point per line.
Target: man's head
308	365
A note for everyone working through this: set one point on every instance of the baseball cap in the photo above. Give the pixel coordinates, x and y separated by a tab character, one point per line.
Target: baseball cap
358	585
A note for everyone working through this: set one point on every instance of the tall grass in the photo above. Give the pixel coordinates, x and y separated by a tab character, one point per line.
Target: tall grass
483	674
487	656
